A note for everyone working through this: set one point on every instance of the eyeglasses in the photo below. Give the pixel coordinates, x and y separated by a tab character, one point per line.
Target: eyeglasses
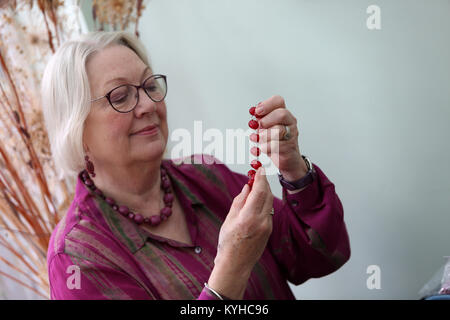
125	98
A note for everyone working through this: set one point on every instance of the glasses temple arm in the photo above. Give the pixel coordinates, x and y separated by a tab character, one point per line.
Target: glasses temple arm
98	98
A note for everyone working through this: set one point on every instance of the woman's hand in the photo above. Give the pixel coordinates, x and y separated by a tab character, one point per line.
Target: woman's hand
243	237
285	154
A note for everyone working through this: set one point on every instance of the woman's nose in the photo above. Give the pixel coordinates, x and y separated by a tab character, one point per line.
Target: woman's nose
145	104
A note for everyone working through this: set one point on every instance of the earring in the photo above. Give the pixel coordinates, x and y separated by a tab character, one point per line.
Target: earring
89	166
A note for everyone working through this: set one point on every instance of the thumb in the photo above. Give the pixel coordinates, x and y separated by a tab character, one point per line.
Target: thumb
239	200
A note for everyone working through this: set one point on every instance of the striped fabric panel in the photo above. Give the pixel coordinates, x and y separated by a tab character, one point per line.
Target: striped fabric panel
100	280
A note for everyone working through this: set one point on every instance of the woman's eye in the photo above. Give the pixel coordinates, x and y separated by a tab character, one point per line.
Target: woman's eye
118	99
151	88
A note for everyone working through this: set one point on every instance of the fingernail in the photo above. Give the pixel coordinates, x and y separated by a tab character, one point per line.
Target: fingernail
261	171
259	109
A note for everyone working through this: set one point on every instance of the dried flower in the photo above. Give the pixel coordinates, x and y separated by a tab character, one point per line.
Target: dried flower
116	14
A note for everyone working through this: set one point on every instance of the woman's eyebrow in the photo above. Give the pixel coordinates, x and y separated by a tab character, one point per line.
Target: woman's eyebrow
122	78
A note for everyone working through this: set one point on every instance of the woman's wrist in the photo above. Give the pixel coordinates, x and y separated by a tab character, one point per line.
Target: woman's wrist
299	172
227	282
211	292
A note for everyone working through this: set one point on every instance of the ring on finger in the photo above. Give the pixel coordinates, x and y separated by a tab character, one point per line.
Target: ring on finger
287	133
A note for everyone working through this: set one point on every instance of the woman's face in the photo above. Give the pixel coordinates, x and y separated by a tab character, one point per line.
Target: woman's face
108	134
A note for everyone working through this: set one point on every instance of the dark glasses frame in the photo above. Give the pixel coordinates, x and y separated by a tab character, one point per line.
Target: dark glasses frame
107	96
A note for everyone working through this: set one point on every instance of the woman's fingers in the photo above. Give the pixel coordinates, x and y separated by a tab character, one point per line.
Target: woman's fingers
259	193
268	199
239	200
268	203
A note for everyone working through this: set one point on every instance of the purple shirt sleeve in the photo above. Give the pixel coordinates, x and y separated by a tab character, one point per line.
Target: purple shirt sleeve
311	238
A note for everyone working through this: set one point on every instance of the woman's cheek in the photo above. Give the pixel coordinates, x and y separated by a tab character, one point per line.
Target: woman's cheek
163	118
117	129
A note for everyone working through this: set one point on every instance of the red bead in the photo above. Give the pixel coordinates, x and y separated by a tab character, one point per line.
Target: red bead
251	173
166	212
124	210
168	198
256	150
252	111
166	184
85	175
99	192
251	181
253	124
138	218
155	220
90	167
255	164
254	136
110	201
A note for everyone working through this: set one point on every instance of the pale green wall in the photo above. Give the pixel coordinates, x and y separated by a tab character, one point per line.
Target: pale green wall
373	109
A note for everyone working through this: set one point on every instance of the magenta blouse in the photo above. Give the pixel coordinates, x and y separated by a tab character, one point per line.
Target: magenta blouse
95	253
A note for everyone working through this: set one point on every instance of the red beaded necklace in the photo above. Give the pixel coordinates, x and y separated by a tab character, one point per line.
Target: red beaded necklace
253	123
154	220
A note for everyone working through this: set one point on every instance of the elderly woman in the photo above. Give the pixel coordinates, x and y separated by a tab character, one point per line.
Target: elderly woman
144	227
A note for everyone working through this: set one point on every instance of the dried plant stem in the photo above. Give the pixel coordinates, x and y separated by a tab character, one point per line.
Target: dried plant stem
29	203
14	267
26	139
7	246
41	5
11	83
23	284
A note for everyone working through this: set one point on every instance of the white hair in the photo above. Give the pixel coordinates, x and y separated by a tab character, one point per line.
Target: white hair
65	94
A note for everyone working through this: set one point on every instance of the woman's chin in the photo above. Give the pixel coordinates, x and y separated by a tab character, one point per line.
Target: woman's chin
152	150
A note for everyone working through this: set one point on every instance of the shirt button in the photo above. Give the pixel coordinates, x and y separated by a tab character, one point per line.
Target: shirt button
198	249
294	203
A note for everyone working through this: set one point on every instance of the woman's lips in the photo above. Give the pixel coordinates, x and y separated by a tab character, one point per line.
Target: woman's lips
146	132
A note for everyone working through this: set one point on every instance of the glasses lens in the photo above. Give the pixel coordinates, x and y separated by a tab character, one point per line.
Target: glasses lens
156	88
123	98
